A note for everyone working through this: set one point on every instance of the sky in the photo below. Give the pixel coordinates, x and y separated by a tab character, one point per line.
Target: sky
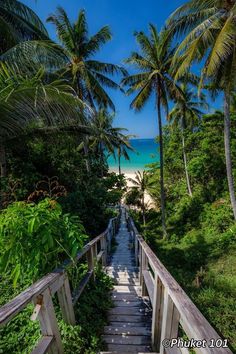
124	17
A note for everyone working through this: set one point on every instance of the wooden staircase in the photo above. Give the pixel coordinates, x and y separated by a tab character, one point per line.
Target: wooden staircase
129	329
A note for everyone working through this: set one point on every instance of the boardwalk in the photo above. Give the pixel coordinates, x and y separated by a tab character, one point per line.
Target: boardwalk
136	323
129	329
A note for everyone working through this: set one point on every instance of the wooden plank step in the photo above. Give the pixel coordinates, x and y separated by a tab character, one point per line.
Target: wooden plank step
127	289
124	296
121	274
128	353
126	339
119	348
128	330
130	318
126	325
128	303
123	281
122	310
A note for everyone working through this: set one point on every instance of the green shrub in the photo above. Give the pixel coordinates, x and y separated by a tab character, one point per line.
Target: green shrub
35	238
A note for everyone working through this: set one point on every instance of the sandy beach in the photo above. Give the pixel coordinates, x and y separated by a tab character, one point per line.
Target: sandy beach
131	174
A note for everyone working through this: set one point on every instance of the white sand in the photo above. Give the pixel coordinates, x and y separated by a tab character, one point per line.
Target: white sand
131	174
147	198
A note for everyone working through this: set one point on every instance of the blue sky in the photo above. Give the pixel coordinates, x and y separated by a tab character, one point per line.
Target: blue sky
124	17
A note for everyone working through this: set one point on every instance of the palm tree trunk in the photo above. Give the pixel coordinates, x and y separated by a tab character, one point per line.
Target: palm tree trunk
86	155
101	159
228	152
163	216
3	161
143	209
185	160
119	164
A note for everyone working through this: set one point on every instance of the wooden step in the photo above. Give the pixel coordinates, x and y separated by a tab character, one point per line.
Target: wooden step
124	296
128	330
128	303
134	311
130	318
132	289
126	339
119	348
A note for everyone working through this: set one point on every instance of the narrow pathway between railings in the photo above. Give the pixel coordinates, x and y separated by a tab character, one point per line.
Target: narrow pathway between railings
129	329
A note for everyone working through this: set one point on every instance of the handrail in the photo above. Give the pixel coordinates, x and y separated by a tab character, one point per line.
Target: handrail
171	305
56	282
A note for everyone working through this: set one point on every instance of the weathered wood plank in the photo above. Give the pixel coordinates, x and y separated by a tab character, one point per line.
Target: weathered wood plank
65	301
126	339
43	345
149	281
128	330
130	318
48	322
124	310
128	348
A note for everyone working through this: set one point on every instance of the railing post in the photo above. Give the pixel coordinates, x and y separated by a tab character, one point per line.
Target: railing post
157	313
144	265
136	250
109	237
48	322
104	249
65	301
170	321
90	260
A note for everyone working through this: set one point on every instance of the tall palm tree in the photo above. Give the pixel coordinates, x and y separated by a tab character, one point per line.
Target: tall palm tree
140	183
210	30
186	114
18	23
88	75
154	77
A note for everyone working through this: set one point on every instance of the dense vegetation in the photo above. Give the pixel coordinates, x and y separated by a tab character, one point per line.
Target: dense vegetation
200	251
57	127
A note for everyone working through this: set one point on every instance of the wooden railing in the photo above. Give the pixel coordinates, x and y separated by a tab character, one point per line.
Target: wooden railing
171	306
41	293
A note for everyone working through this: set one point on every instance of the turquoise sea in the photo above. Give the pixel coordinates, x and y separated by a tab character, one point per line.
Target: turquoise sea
146	152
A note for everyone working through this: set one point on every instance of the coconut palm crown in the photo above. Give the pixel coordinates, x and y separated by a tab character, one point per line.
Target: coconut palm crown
88	75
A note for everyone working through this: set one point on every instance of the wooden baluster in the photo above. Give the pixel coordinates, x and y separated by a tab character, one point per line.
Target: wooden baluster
104	249
144	264
109	238
157	313
90	260
136	250
48	322
170	321
65	301
95	251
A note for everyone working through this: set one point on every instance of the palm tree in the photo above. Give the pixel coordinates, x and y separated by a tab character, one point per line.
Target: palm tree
105	138
154	77
18	23
123	150
87	74
211	36
140	183
186	114
29	104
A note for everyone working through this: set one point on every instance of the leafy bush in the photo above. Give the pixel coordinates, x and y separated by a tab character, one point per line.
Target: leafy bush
35	238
